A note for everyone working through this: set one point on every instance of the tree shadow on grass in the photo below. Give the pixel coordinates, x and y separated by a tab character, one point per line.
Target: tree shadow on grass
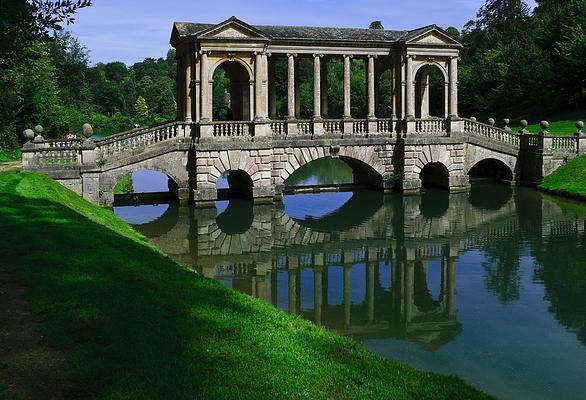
136	325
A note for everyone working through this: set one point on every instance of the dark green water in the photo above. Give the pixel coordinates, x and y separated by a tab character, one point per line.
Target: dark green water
488	285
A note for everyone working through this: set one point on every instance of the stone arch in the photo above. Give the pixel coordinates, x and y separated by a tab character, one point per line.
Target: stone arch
360	158
430	102
492	167
506	161
240	75
166	164
435	174
437	153
248	161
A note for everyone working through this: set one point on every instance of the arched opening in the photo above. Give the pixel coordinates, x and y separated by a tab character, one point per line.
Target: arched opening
491	170
384	94
435	175
234	184
231	92
430	92
345	173
145	187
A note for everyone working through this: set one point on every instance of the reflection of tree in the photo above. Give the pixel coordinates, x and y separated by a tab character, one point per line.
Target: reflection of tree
323	171
502	269
562	269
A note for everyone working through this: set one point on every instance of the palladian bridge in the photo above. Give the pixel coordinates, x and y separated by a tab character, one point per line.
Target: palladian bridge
404	145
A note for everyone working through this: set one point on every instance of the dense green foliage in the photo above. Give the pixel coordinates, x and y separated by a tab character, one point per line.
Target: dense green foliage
568	180
124	185
45	78
518	63
135	324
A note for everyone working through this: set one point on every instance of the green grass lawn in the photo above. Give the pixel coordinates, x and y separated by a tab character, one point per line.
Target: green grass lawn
134	324
563	123
568	180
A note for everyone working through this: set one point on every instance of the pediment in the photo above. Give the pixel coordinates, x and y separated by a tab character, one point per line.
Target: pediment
233	29
433	36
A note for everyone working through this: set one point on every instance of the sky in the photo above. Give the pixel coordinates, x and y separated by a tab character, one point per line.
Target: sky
131	30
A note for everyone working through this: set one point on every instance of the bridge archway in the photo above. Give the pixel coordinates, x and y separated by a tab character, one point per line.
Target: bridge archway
143	185
431	91
490	169
231	91
235	183
435	175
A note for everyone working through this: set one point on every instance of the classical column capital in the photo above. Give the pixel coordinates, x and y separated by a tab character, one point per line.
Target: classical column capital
206	52
372	56
348	56
291	54
318	55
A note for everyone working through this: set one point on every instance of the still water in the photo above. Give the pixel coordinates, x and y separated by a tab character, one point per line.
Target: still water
488	285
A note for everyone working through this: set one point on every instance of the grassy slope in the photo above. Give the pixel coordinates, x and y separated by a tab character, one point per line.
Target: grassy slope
138	325
563	123
568	180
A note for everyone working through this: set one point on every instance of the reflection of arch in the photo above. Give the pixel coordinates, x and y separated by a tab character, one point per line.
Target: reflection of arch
237	218
491	168
430	102
238	105
162	225
490	197
240	185
435	174
357	210
171	191
434	203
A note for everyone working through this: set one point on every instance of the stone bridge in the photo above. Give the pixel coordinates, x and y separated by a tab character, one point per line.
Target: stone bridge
408	143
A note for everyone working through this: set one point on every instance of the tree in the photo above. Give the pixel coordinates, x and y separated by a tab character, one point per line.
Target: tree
503	15
376	25
167	104
141	110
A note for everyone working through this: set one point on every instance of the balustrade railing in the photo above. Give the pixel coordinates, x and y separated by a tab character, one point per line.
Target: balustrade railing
333	126
359	126
384	125
231	128
563	143
491	132
49	156
431	126
305	127
140	138
279	128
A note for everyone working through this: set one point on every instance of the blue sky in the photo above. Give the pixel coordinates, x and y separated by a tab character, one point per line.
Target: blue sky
130	30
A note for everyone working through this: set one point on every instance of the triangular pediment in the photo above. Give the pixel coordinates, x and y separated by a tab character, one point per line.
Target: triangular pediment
233	28
432	35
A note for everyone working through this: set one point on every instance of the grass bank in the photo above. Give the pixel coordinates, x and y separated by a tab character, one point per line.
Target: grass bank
569	180
560	123
134	324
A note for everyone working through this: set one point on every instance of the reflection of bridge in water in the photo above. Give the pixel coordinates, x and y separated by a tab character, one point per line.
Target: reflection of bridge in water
368	269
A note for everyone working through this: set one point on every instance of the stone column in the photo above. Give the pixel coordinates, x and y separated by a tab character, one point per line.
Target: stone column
410	90
453	109
196	73
262	126
297	89
324	88
188	107
318	126
347	94
292	294
446	100
424	86
206	131
272	88
370	80
291	94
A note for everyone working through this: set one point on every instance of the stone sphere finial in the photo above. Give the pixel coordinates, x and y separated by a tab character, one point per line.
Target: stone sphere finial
87	130
473	119
544	126
506	121
524	123
579	127
491	121
39	130
28	135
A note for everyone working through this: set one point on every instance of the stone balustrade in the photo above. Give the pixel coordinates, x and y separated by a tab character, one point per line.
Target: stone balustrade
490	131
359	127
231	129
138	138
305	127
333	126
434	126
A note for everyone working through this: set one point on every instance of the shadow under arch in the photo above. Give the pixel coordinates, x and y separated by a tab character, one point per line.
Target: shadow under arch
357	210
237	217
146	186
490	169
239	185
435	175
